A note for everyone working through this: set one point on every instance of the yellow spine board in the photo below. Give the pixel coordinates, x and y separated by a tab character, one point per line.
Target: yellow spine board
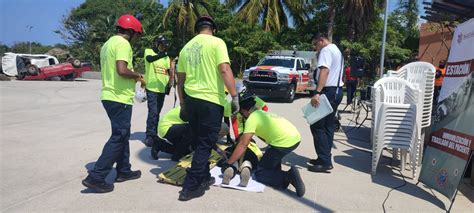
176	174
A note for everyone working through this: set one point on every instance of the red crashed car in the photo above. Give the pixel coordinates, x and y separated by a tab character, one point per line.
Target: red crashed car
42	67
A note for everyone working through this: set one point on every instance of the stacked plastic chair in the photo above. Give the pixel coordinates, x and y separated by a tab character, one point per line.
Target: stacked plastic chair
421	75
396	121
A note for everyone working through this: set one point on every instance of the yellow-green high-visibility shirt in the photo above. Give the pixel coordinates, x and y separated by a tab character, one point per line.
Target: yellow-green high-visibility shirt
168	120
115	87
259	104
275	130
156	74
200	59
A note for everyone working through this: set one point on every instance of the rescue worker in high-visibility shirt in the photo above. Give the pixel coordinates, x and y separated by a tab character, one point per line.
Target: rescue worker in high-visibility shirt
282	138
159	75
173	136
252	154
439	77
237	119
118	84
204	70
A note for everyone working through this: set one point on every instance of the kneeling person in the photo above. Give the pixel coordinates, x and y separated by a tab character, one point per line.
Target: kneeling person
173	136
282	138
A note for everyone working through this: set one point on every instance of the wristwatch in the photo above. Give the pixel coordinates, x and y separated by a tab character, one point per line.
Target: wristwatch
316	92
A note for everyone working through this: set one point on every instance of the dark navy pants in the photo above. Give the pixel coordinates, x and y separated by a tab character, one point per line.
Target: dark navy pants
117	149
155	104
269	168
323	130
205	120
180	138
351	86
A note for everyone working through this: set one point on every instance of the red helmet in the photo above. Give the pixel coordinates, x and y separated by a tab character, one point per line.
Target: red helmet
129	22
205	20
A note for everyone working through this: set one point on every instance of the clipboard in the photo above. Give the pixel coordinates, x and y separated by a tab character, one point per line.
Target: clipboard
314	114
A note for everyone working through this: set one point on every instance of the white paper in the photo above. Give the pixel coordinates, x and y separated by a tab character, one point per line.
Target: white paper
253	186
314	114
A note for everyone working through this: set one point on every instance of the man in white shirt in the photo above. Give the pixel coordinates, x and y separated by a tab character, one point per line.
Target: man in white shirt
329	78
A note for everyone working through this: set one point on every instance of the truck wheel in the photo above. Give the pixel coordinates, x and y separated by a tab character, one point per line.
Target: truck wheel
32	69
290	96
76	63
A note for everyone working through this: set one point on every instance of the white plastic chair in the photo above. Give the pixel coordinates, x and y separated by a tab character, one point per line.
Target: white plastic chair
421	75
396	120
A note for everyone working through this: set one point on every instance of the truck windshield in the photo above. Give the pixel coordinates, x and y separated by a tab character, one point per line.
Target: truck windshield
277	62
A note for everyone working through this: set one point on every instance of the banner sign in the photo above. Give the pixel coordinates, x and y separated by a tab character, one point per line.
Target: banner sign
445	159
452	139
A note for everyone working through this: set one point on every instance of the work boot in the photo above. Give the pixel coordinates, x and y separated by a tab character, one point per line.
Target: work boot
98	186
320	168
228	174
122	177
148	141
296	181
245	169
315	161
244	177
209	183
155	149
185	194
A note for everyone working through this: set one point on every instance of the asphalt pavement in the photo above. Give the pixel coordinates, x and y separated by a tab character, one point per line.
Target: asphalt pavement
52	131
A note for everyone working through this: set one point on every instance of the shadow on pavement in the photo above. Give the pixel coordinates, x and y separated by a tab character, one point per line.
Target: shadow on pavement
162	165
306	201
138	136
361	161
386	178
293	159
296	160
145	156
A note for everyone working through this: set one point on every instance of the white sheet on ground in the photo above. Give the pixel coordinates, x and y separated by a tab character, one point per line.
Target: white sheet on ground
253	185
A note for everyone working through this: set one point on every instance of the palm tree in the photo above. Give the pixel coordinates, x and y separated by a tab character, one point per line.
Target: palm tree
359	14
272	14
187	11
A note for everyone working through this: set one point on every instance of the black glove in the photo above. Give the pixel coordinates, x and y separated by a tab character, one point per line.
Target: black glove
172	53
167	89
221	162
226	165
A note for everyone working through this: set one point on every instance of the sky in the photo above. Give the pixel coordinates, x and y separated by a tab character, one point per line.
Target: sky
45	17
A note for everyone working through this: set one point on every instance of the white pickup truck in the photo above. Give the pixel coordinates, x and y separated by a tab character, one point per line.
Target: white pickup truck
280	76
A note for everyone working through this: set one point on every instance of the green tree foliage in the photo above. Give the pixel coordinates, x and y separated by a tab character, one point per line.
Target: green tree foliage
184	13
272	14
24	47
3	48
250	28
369	46
88	26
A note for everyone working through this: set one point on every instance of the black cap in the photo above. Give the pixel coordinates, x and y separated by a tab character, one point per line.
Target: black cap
247	100
161	40
205	21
